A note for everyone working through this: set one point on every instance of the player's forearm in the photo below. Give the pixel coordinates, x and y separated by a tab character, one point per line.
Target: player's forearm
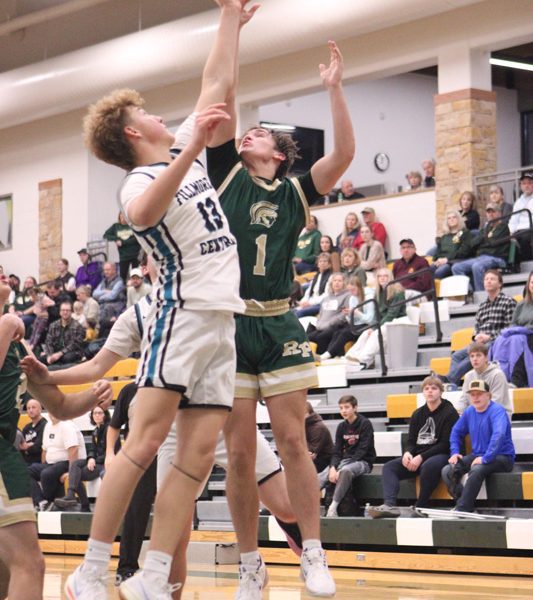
220	69
82	373
150	207
343	135
63	406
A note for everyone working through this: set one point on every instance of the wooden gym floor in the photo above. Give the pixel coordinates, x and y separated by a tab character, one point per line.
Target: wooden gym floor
206	582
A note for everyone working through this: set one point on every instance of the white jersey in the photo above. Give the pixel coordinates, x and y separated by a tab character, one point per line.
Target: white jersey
126	334
196	254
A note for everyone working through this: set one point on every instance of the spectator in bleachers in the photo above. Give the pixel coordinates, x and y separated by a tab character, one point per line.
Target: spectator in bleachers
56	292
490	247
319	442
138	287
454	244
90	468
89	273
128	246
490	372
427	450
309	305
513	348
371	252
492	446
91	308
411	262
111	296
14	284
496	196
378	229
326	245
65	276
78	314
41	303
414	180
493	315
353	453
346	191
519	224
365	350
22	301
307	248
362	316
63	444
348	237
428	166
331	316
351	264
64	340
32	433
467	208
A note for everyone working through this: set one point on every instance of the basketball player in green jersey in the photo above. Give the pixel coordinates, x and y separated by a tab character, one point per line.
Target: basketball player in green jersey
19	546
266	211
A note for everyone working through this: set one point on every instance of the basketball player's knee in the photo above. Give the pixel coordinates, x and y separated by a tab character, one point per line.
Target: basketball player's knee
291	445
240	460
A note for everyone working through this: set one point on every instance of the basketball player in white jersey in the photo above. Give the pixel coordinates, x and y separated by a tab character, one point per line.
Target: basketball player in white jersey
124	339
188	354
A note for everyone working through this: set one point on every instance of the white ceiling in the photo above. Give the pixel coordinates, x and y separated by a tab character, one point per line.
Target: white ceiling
51	63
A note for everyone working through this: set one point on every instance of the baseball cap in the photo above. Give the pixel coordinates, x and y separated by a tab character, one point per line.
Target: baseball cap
478	385
493	206
83	251
407	241
527	174
368	209
136	273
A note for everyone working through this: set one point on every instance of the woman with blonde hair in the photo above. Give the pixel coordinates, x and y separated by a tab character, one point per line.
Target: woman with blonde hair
349	236
363	315
467	208
388	297
455	243
351	264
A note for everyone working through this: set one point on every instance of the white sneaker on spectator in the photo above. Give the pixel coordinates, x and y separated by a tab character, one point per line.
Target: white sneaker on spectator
141	588
252	580
314	572
86	583
332	512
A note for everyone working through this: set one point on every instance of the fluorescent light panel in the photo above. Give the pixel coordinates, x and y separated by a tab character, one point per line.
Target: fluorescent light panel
511	64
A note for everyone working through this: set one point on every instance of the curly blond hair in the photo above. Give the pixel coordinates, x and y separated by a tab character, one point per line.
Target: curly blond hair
103	128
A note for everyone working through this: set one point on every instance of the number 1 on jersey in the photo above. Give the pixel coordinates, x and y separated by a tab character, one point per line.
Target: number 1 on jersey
259	267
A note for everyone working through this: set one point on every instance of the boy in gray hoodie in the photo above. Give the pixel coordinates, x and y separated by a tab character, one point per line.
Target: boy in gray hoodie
487	371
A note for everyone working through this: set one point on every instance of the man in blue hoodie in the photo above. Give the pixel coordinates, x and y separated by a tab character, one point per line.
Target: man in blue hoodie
492	446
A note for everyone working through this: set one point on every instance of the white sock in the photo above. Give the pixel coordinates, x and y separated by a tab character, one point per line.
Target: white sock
325	356
334	505
98	554
157	565
310	544
251	559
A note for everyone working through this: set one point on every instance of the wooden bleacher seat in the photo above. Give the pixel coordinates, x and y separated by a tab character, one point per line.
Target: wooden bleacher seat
459	340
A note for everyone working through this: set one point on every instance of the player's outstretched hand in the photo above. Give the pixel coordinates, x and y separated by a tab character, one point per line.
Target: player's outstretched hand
246	12
104	393
35	370
332	74
206	122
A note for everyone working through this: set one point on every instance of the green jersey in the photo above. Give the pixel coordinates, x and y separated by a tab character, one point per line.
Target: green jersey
265	217
10	378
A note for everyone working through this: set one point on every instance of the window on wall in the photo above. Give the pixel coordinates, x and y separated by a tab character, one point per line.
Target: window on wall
527	138
6	222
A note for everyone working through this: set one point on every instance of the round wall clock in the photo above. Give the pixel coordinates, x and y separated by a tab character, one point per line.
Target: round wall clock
381	161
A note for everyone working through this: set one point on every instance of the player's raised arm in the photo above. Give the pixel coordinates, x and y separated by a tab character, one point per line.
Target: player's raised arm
327	171
219	78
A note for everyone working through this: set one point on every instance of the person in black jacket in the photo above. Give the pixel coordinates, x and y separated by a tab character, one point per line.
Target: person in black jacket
319	442
353	454
428	448
87	469
32	433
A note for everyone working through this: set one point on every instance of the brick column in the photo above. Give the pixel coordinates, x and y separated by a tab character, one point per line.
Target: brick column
465	142
50	227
